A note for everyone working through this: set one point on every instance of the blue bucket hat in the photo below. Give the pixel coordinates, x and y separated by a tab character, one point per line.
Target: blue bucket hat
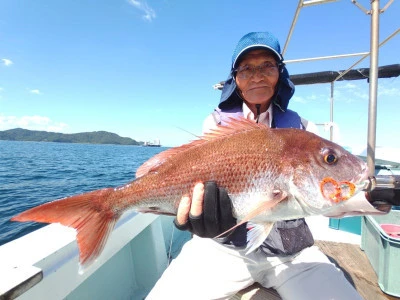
256	40
253	41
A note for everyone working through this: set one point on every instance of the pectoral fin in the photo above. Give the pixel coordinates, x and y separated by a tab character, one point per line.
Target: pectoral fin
266	203
257	235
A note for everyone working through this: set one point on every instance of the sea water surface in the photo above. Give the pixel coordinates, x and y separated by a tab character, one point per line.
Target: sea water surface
32	173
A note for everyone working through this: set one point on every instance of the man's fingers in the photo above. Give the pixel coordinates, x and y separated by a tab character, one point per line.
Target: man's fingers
182	215
197	200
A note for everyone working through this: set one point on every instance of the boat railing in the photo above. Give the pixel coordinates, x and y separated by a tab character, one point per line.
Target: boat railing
44	264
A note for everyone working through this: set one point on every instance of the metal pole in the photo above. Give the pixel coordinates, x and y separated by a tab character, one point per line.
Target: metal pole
294	21
331	116
300	5
373	86
325	57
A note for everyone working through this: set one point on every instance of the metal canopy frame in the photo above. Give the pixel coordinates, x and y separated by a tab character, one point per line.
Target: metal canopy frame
333	76
354	74
375	11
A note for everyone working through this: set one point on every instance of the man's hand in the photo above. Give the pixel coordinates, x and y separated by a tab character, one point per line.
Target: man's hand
208	213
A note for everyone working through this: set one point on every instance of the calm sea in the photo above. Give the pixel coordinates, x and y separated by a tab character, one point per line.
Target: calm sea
32	173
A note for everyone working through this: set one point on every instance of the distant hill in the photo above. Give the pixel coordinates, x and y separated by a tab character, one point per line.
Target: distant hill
96	137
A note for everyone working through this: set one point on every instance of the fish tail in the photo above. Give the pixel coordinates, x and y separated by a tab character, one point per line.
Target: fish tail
87	213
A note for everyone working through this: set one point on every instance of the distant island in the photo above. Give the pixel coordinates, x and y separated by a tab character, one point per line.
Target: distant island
96	137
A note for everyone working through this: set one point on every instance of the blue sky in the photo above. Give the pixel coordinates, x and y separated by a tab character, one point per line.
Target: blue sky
145	69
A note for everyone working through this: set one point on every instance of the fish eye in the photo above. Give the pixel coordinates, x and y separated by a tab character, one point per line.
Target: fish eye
330	157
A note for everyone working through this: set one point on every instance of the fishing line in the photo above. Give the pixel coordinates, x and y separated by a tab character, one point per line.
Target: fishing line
170	244
195	135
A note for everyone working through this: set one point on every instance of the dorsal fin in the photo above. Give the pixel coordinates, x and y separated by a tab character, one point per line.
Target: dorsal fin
233	126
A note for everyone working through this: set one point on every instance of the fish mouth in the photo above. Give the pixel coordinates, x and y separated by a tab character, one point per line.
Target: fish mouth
361	179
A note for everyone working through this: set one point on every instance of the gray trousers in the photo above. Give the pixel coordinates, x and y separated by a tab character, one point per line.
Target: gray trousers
206	270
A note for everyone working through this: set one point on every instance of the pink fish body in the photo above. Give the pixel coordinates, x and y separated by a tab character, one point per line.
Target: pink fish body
270	175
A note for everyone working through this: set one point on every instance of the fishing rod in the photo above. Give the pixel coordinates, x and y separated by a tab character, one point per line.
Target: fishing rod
382	182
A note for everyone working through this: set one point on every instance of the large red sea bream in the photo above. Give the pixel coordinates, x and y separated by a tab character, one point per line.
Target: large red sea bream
270	175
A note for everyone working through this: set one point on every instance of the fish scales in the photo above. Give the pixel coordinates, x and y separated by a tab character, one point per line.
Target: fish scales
231	161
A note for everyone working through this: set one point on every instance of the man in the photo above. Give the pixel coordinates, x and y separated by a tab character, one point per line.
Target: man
259	89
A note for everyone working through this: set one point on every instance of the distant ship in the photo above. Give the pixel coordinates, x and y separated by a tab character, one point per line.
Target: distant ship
155	143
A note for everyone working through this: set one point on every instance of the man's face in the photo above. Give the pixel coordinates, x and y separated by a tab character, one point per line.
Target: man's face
257	87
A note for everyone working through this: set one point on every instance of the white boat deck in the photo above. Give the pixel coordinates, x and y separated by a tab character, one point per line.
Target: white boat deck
321	231
44	263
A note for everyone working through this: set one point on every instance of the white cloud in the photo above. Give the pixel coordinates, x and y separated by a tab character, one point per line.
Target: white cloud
306	99
36	92
385	153
6	62
37	120
149	13
31	122
350	92
349	85
298	99
388	91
